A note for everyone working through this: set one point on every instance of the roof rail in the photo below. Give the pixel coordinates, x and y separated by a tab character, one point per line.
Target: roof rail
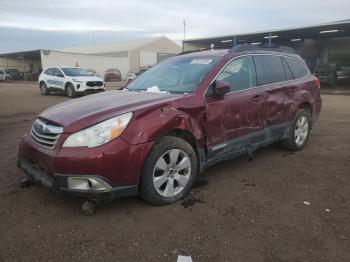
249	47
192	51
203	49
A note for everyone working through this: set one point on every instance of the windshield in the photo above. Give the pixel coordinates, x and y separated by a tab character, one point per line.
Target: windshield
179	75
76	72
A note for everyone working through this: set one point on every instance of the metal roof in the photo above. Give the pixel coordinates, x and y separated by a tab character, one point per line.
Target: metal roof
312	31
114	47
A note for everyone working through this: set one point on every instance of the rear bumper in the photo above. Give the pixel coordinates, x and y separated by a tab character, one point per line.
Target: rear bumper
58	183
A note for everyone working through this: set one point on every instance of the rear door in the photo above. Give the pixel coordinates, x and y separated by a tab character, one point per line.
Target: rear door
59	78
271	76
50	77
239	113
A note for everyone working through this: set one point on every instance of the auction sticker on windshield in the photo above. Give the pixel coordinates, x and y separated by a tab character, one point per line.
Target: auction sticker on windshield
202	61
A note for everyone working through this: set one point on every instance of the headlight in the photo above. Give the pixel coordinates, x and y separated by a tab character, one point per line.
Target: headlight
77	80
99	134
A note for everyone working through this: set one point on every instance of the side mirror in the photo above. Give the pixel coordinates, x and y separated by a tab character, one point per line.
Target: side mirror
60	75
221	87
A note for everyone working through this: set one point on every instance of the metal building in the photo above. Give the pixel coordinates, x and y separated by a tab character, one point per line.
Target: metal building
124	56
138	53
317	44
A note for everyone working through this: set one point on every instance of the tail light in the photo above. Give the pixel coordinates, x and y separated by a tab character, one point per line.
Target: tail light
318	83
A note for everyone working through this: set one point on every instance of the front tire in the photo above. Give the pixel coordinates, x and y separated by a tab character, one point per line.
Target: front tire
299	132
43	89
70	91
169	171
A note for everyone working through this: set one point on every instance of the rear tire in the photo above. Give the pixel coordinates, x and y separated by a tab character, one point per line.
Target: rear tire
169	171
70	91
299	131
43	89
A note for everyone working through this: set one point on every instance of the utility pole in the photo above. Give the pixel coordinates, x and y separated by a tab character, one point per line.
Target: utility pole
184	22
24	68
183	44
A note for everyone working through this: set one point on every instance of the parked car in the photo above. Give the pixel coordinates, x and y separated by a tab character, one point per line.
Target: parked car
4	76
15	74
332	74
132	74
113	74
179	117
73	81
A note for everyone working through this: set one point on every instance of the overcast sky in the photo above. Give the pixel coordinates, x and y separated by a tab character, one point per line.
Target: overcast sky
29	24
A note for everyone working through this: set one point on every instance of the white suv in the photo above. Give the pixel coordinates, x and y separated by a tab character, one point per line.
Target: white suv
71	80
4	76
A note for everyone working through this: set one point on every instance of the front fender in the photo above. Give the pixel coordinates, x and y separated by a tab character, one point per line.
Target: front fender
149	125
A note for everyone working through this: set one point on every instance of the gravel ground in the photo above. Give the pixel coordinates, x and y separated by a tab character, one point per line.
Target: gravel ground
240	210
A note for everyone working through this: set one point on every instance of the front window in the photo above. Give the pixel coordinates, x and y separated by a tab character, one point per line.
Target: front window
240	74
75	72
178	75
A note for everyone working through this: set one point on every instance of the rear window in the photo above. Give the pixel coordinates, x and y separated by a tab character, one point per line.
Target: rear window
50	71
296	66
269	69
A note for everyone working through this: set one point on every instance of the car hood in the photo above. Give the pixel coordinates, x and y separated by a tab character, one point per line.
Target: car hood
86	78
83	112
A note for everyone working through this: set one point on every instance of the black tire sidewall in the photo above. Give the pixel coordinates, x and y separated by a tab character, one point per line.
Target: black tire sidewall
43	86
146	188
70	87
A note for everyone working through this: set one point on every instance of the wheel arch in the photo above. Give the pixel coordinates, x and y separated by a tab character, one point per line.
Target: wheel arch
66	85
306	105
191	139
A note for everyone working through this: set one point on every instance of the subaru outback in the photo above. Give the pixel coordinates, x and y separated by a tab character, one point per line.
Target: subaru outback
188	112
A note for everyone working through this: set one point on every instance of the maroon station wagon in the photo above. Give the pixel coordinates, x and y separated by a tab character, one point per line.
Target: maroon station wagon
188	112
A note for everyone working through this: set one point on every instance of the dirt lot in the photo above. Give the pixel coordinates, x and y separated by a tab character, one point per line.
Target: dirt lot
249	210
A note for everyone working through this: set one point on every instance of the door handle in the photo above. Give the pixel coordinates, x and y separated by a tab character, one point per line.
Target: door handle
257	98
293	88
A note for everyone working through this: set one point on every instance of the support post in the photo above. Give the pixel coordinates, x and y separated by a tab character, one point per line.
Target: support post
24	69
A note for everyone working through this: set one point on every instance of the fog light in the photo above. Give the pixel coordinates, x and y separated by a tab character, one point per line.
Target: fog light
87	183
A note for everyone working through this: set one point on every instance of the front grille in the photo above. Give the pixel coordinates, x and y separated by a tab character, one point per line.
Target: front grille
94	83
44	134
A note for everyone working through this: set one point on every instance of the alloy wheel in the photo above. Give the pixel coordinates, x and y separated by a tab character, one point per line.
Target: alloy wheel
171	173
301	130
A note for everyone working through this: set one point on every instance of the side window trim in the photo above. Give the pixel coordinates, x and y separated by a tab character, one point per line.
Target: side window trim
287	67
223	68
302	63
229	61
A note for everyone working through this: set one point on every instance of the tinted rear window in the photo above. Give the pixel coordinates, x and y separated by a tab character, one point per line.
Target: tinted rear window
50	71
269	69
297	67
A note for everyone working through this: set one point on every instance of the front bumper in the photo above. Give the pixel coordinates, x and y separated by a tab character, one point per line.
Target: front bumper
58	183
109	162
82	88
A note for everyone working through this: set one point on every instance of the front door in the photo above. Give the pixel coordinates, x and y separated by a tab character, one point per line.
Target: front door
235	119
